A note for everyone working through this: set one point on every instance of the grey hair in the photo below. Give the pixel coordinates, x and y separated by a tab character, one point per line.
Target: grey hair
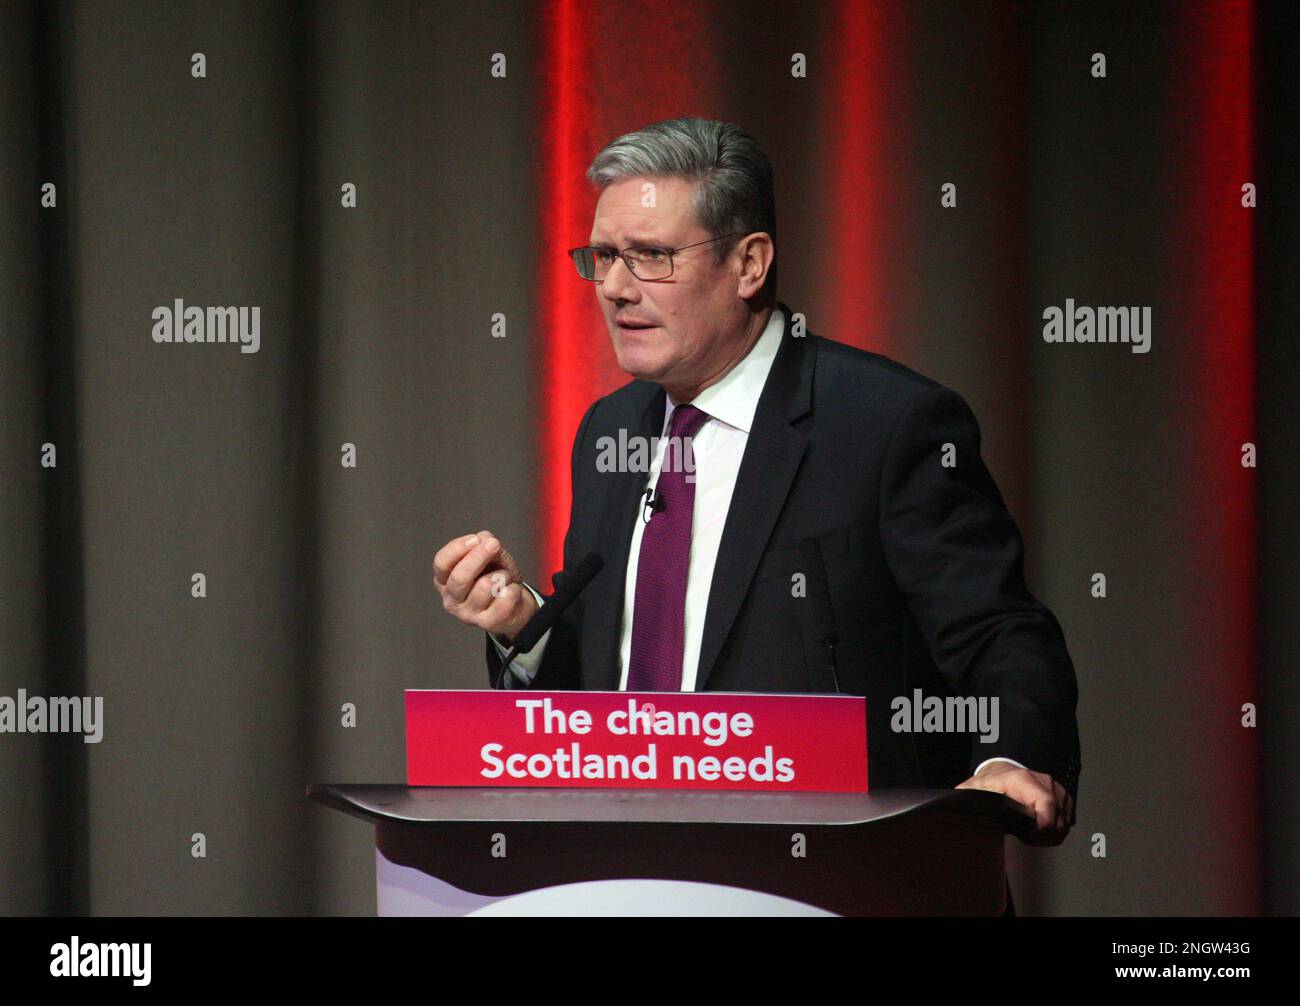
735	194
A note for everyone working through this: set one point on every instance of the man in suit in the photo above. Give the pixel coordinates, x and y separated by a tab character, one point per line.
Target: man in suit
808	464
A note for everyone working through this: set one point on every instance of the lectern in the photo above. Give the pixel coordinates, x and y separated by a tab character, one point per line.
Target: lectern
532	851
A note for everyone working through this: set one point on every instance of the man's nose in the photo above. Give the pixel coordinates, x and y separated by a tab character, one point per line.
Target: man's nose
619	281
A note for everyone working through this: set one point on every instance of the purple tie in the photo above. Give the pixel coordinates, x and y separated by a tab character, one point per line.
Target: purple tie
658	631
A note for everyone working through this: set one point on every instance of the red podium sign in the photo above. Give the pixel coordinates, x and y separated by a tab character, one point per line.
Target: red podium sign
637	740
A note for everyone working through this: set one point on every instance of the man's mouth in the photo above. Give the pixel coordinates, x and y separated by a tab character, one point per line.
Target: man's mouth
634	325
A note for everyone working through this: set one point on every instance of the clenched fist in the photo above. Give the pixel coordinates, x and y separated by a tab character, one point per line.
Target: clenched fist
481	585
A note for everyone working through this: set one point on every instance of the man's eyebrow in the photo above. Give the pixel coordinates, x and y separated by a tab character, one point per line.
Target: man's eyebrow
633	240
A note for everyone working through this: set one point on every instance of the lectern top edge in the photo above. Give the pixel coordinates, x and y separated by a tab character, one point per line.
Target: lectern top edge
417	804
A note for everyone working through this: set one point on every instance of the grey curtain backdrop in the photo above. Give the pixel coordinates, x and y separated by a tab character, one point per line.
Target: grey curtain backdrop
176	460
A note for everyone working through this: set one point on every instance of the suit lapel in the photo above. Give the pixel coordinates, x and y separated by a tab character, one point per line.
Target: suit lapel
618	520
767	470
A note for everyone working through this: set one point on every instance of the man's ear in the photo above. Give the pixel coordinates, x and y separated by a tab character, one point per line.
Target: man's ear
756	254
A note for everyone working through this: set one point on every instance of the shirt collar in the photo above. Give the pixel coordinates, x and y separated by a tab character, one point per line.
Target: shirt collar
734	399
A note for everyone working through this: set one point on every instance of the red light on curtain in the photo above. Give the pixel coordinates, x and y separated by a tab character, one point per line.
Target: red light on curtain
1215	255
862	46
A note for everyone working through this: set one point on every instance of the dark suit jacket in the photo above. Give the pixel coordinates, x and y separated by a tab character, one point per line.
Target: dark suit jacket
924	564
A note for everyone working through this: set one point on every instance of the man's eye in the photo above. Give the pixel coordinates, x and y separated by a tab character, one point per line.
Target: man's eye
604	254
652	254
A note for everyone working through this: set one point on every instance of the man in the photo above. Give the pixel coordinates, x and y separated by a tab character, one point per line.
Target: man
809	462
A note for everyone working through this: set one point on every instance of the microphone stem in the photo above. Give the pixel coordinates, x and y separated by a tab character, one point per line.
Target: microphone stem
506	661
835	674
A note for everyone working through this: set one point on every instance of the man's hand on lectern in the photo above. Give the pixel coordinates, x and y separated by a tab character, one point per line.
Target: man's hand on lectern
1053	807
481	585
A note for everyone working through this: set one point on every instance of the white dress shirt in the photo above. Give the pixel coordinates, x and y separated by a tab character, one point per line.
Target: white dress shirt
718	449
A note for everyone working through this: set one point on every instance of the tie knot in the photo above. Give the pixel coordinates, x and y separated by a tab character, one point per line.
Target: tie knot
686	421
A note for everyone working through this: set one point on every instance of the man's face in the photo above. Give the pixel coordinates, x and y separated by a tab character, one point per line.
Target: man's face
695	318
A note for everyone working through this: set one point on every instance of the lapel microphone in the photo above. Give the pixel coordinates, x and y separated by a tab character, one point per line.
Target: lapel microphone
653	502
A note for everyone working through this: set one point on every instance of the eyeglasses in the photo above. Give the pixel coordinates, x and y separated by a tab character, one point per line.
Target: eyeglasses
643	261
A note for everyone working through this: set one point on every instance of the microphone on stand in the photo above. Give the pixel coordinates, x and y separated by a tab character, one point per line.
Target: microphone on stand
819	596
568	585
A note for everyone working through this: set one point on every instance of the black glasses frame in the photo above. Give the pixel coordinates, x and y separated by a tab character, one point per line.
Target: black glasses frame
624	253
